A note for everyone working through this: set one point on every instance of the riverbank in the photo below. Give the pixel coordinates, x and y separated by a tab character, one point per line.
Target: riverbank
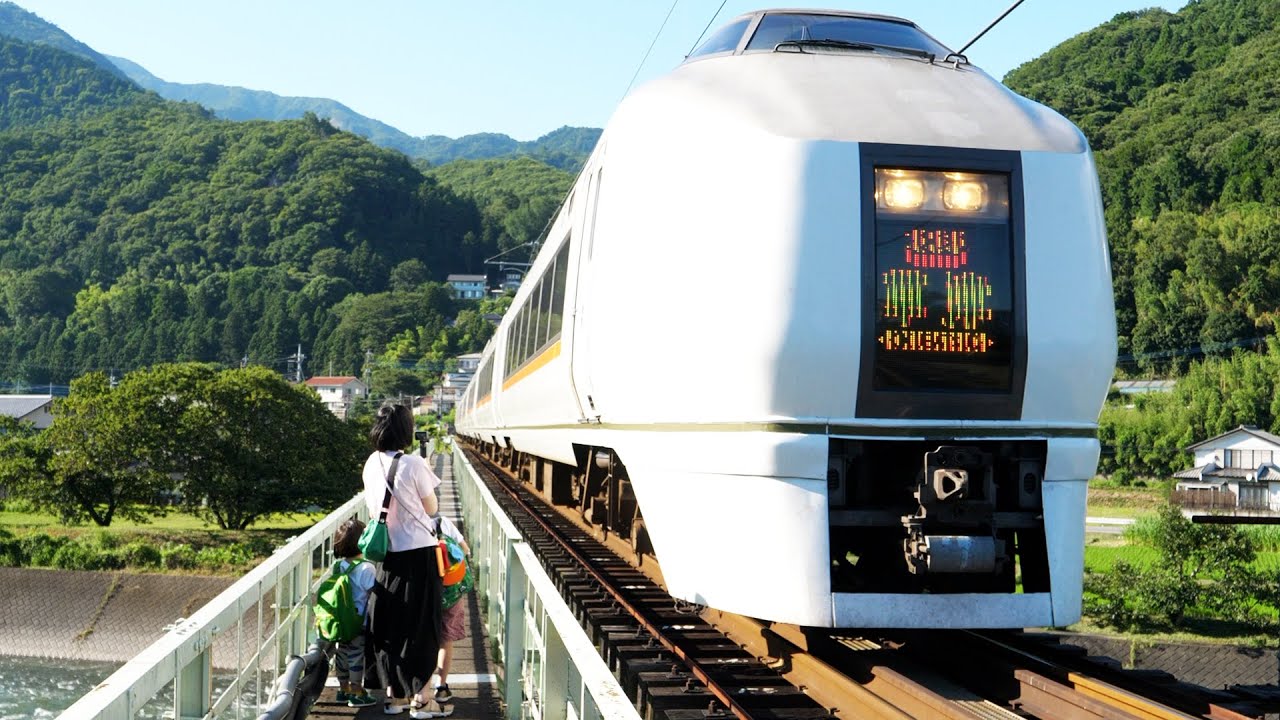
99	616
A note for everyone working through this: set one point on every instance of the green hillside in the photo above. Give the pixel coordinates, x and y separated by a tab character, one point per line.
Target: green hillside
29	27
135	230
39	82
1181	112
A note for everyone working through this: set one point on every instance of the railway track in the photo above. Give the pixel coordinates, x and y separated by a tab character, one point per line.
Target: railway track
679	663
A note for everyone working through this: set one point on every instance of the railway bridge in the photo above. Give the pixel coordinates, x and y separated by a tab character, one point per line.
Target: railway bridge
560	627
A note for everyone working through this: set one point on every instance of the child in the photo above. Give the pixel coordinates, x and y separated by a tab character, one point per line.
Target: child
348	660
452	625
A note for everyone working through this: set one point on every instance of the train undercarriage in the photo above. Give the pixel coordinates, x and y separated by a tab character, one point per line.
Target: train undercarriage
905	516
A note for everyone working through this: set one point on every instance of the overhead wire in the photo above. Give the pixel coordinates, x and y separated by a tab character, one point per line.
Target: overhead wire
707	27
651	44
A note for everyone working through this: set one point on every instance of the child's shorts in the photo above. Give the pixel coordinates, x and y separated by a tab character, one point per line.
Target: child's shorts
453	623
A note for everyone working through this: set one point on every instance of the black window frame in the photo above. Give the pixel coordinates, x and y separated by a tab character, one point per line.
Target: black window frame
945	404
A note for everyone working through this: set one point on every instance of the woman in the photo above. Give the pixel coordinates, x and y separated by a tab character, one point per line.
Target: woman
404	608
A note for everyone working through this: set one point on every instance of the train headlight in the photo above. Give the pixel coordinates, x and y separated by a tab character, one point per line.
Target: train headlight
964	195
910	191
903	193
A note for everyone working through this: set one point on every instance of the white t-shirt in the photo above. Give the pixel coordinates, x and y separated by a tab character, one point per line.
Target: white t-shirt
408	525
448	528
362	579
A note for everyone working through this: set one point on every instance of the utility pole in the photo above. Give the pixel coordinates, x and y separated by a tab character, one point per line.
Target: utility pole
368	362
294	366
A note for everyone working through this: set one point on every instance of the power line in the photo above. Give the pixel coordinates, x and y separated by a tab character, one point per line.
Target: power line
704	30
646	52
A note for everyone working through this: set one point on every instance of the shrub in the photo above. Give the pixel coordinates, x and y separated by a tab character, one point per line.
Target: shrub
140	554
224	557
178	557
40	548
76	556
11	554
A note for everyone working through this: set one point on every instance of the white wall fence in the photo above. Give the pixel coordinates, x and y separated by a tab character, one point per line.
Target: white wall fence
552	669
262	620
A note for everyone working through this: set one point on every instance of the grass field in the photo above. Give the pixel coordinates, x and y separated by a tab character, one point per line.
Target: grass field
1123	502
173	522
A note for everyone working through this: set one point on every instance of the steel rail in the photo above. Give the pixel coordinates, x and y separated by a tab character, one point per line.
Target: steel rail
825	684
695	667
1130	704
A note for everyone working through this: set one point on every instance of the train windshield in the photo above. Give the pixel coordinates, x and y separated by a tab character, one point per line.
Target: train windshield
839	30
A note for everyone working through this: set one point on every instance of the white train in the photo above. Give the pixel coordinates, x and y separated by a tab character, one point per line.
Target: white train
827	319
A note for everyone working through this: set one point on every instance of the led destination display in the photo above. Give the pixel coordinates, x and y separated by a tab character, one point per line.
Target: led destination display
944	301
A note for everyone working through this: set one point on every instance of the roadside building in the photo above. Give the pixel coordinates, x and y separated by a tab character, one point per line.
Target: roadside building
34	409
339	393
468	363
466	287
511	279
1235	472
1141	387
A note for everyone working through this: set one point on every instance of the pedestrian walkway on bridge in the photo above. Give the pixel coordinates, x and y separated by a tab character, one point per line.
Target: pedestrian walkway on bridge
472	678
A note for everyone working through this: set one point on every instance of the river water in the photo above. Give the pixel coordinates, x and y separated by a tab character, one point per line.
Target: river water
42	688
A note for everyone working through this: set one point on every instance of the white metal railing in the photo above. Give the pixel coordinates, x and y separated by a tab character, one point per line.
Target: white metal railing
552	670
267	614
265	617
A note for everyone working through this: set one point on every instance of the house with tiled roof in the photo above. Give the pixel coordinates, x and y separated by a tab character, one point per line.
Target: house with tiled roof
34	409
1237	471
339	393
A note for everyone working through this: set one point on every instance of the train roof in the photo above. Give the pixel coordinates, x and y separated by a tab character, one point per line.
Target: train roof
769	30
841	96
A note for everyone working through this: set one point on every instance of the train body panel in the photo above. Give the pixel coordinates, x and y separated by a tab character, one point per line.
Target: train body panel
732	347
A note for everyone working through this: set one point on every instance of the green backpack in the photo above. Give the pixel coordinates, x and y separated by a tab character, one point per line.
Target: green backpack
336	616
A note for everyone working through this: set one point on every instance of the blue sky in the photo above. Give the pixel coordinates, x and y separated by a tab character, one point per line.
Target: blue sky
517	67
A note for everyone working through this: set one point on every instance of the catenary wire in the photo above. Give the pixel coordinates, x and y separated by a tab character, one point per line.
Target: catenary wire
646	52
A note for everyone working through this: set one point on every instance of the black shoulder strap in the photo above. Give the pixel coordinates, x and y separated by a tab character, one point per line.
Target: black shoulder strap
391	481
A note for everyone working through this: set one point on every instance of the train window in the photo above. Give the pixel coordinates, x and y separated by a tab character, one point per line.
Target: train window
557	288
535	322
725	39
594	210
775	28
517	353
545	306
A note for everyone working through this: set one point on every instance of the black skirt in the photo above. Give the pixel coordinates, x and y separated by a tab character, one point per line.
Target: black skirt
404	623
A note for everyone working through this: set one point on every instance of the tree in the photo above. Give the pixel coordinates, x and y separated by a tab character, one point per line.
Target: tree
109	450
258	446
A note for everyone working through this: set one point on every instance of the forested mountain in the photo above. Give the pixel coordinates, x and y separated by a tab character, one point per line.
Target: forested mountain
515	197
29	27
237	103
41	82
135	230
1181	112
565	148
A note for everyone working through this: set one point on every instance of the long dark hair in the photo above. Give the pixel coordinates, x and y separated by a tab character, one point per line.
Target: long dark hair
392	429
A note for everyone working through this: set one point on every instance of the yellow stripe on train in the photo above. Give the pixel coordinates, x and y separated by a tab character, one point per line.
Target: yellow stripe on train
551	353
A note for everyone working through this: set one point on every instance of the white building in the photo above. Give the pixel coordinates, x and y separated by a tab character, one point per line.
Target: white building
339	393
34	409
469	363
1237	471
467	287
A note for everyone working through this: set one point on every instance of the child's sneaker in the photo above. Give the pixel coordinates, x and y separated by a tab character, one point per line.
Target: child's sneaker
442	693
425	711
359	701
343	696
